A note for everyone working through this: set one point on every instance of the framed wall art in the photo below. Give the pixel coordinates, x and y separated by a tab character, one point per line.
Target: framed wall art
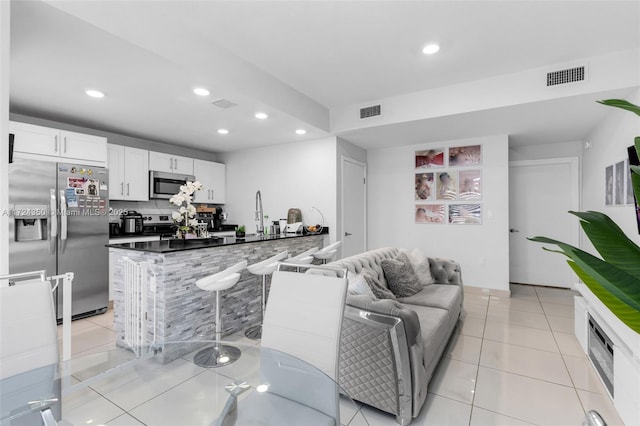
465	214
430	213
425	186
470	185
608	190
430	158
465	156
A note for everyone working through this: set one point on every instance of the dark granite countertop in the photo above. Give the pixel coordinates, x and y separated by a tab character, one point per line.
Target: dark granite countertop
168	246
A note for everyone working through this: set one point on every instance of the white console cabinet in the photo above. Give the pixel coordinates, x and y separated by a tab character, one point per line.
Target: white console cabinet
626	352
49	144
161	162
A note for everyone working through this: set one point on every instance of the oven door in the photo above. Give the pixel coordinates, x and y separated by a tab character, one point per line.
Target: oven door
165	185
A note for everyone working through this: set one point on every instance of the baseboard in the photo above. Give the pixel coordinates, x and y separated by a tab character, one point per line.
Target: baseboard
487	291
110	305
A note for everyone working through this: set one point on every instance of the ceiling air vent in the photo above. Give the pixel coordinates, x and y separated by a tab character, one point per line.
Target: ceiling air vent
569	75
223	103
371	111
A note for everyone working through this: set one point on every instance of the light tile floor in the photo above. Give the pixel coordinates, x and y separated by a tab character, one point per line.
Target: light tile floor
511	361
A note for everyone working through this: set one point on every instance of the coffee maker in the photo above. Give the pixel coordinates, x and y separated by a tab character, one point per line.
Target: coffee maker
213	219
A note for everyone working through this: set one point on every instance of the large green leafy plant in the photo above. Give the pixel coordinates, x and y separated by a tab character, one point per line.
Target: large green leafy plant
614	278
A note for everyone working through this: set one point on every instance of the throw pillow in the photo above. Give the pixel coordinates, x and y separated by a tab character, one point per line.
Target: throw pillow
358	285
378	290
401	277
420	263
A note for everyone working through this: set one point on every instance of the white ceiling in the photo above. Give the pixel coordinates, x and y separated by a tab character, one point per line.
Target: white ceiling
295	61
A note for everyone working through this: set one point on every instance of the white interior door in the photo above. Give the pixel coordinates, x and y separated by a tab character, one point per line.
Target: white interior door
541	193
354	218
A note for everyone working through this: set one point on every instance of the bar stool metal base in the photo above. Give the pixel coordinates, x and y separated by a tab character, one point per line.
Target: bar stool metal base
217	356
254	332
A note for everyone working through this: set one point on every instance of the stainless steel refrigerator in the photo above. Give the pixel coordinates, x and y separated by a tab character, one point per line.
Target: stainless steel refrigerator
60	223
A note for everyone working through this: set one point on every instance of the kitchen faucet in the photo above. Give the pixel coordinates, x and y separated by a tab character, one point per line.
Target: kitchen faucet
259	213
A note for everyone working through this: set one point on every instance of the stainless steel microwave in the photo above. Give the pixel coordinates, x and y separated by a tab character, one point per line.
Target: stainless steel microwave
165	185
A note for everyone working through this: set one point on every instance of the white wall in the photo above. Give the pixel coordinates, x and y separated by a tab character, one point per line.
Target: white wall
545	150
482	250
609	141
4	131
301	175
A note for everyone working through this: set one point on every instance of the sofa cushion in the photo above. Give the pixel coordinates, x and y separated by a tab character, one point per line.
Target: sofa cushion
421	265
433	330
358	286
379	290
400	276
447	297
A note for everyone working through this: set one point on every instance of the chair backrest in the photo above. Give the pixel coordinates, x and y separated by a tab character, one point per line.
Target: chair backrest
28	335
304	318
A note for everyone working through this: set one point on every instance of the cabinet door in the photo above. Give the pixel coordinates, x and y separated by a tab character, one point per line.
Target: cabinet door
218	183
115	163
83	147
136	173
202	170
34	139
182	165
160	162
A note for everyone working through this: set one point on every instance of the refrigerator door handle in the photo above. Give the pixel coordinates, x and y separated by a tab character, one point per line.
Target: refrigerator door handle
63	221
53	222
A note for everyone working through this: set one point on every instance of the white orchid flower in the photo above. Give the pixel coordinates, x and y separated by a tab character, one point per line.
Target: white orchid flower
182	210
193	222
176	216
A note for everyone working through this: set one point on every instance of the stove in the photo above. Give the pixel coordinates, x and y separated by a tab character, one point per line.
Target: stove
159	224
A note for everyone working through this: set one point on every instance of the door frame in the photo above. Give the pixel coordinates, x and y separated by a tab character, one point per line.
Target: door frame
576	185
343	160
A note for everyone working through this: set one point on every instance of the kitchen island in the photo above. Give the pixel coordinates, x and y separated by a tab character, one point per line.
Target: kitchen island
173	306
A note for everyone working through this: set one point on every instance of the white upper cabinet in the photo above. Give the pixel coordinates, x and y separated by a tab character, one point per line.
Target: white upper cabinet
161	162
128	173
58	145
212	176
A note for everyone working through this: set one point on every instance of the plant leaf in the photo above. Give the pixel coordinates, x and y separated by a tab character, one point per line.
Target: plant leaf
610	241
619	283
626	314
622	104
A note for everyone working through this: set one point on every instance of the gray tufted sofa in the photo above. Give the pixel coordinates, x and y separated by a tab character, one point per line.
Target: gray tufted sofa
389	348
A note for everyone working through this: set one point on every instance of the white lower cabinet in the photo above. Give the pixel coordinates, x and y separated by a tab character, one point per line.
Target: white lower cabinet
212	176
128	173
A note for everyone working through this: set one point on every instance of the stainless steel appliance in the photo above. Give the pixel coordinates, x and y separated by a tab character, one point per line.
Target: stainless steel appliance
60	224
212	219
601	353
159	224
164	185
132	222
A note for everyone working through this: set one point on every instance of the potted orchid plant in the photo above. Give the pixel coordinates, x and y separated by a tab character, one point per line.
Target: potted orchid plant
184	217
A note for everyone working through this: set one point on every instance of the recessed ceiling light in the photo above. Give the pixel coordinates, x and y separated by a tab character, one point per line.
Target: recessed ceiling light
223	131
261	115
431	48
301	132
201	91
94	93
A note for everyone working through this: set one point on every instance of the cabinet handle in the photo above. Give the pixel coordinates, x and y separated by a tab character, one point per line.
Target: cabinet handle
171	163
121	188
175	162
65	144
55	148
127	189
212	194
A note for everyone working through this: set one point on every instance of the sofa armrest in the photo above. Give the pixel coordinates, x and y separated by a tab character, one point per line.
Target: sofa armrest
381	356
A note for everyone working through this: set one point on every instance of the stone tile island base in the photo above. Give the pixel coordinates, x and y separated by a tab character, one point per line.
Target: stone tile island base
180	306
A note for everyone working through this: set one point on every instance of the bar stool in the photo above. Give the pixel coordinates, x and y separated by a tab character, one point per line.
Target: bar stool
219	355
264	268
328	252
304	258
